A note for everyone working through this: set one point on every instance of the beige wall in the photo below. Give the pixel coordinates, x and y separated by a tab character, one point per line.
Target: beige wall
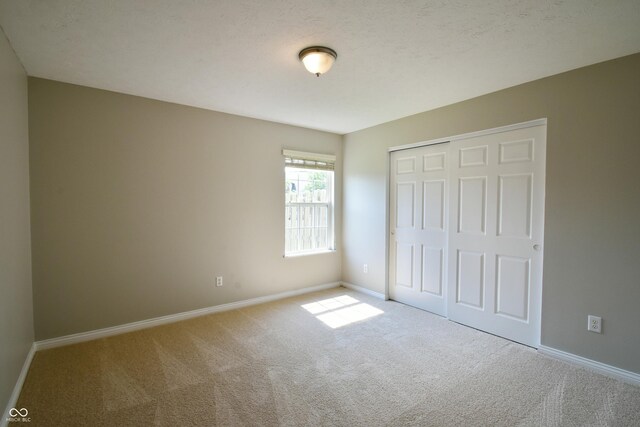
139	204
592	226
16	306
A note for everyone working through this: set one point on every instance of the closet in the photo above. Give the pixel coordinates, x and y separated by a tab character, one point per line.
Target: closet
466	227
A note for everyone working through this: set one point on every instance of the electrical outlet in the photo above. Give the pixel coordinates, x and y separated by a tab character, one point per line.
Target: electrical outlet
595	324
219	281
365	268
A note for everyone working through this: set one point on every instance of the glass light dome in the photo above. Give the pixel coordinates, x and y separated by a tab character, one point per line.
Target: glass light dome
317	59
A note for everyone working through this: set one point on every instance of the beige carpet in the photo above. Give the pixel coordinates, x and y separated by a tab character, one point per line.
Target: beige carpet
329	358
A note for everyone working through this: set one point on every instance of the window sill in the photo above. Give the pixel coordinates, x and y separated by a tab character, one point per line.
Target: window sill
302	254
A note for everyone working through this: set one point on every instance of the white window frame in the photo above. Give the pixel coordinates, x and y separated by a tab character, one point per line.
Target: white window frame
313	161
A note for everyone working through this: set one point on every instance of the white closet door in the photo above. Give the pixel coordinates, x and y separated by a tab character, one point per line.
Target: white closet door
496	232
418	227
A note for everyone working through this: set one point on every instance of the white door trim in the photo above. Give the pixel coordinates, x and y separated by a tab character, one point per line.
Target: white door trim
491	131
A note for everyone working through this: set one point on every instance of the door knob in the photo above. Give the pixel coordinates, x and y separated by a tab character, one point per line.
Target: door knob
536	247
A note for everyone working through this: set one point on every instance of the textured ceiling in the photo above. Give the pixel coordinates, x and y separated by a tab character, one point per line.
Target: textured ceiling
395	58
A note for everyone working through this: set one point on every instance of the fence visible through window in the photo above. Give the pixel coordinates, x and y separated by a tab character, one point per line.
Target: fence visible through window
308	210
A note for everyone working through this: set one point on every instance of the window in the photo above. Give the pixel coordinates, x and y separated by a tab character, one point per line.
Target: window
308	202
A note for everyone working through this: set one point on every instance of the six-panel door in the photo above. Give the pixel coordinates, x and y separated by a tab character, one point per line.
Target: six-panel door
496	216
418	227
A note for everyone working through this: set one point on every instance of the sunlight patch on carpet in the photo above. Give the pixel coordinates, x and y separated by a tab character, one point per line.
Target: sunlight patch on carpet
341	311
318	307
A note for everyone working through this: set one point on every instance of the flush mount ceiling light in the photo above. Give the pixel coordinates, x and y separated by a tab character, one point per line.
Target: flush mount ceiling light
317	59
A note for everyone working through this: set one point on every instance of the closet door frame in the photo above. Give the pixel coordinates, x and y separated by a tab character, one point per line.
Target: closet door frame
389	238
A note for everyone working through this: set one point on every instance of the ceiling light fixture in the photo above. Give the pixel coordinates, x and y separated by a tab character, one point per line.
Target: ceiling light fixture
317	59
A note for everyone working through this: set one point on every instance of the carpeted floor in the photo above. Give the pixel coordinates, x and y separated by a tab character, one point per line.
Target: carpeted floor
329	358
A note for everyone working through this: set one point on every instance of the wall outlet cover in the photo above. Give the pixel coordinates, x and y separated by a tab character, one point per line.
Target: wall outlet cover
594	324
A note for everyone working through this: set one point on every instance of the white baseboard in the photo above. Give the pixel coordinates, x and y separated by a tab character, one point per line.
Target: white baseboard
13	399
599	367
143	324
363	290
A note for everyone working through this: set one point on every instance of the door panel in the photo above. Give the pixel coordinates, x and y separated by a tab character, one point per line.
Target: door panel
514	206
470	275
497	203
405	206
512	295
418	227
434	162
432	269
473	202
404	263
406	165
473	156
433	205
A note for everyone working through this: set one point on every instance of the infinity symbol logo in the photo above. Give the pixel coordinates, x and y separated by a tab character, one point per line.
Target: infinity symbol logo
13	412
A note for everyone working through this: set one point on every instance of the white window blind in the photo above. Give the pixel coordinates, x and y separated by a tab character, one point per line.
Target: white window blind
300	159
